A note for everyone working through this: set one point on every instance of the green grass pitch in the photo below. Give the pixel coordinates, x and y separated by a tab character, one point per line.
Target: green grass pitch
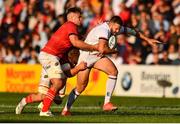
88	109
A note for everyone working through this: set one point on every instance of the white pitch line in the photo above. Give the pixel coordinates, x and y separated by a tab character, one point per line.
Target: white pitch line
98	107
2	111
76	107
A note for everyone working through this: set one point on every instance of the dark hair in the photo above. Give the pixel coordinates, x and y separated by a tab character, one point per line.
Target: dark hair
116	19
73	10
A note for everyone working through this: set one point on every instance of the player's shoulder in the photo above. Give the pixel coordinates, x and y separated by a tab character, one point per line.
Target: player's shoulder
103	25
101	28
70	24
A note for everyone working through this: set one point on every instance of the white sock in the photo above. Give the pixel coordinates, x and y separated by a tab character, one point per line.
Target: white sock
110	85
23	101
62	92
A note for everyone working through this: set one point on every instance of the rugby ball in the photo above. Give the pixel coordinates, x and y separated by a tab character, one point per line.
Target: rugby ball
112	42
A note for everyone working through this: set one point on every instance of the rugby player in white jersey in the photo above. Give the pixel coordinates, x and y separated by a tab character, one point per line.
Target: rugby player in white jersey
98	60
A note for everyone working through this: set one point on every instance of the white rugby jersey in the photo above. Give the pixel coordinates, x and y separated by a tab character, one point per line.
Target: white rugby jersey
103	31
100	31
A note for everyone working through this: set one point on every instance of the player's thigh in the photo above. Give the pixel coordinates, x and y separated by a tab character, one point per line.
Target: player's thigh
90	59
51	65
106	65
57	83
82	79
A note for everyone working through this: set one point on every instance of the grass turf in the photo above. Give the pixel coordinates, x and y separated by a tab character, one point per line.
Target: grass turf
88	109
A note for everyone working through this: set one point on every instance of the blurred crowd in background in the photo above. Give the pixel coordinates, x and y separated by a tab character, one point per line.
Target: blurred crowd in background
26	26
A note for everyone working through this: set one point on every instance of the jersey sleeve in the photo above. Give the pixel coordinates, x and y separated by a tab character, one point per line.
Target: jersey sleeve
127	30
72	29
103	34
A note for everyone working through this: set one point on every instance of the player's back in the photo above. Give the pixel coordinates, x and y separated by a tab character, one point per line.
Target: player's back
59	42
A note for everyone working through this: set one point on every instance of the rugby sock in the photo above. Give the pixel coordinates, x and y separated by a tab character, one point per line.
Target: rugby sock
62	92
72	97
110	85
47	101
29	99
33	98
23	101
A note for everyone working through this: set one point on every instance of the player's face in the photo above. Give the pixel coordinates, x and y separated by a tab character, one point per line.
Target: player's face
77	18
73	56
115	28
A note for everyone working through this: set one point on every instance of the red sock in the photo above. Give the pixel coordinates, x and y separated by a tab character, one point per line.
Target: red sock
47	101
29	99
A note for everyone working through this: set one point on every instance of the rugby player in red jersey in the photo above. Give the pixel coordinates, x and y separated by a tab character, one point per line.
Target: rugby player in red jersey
59	44
69	67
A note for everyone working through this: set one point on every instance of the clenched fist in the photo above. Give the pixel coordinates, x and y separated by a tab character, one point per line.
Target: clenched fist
82	66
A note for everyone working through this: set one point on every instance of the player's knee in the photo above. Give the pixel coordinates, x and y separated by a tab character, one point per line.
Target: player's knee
57	84
114	72
42	96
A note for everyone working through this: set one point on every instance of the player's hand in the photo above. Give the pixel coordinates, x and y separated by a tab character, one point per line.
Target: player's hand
96	47
153	42
100	55
82	66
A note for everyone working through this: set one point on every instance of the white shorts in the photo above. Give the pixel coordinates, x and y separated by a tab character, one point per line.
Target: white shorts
89	58
118	61
45	83
51	69
51	65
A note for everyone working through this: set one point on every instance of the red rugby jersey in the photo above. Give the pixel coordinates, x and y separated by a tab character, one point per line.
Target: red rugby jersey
59	42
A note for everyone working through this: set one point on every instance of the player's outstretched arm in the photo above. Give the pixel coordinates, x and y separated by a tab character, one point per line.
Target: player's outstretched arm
138	34
150	41
82	45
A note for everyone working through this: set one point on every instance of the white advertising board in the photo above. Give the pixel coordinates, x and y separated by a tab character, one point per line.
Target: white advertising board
137	80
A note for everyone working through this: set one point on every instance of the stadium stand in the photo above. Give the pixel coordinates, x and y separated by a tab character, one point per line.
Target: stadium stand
26	25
